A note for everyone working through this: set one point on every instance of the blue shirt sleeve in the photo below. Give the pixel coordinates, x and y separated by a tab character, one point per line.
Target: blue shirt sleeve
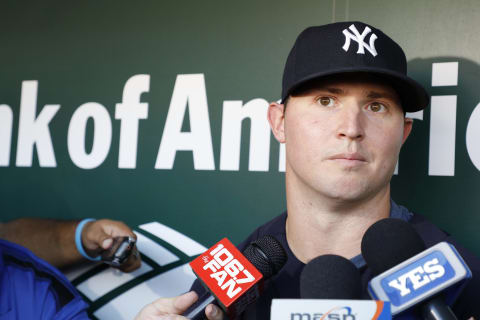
33	289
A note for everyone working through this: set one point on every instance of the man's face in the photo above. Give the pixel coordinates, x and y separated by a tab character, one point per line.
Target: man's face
342	136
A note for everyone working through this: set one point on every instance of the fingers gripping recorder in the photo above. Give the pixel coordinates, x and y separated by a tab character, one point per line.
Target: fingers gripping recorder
233	279
119	251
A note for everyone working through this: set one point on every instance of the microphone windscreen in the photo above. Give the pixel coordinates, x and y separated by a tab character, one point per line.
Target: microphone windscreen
267	255
330	277
388	242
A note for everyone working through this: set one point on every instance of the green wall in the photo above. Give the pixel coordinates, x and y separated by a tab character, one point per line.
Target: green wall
86	51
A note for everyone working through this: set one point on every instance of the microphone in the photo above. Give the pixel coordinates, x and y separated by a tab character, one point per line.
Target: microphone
410	275
234	280
330	288
330	277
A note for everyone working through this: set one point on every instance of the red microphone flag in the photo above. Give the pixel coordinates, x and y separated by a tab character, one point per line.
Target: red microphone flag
228	275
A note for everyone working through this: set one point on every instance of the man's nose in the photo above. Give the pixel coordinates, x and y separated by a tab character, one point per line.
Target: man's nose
350	122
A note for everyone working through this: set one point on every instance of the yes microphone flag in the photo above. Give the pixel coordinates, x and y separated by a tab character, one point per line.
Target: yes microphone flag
423	276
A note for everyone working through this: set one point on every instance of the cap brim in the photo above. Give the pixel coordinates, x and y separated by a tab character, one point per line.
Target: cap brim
412	94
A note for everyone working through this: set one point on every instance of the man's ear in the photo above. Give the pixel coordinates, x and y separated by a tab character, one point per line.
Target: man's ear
276	118
407	128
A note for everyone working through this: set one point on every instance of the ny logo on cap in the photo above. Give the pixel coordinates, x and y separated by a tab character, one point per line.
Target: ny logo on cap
356	36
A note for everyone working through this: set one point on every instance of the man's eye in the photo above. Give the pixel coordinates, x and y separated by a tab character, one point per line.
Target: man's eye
326	101
377	107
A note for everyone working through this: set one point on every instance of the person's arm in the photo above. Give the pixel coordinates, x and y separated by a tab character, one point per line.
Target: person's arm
171	308
54	240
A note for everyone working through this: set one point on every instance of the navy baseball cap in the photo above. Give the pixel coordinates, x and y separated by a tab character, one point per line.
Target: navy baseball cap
351	47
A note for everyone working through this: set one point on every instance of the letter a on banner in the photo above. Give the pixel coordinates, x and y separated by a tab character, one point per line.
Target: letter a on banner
189	90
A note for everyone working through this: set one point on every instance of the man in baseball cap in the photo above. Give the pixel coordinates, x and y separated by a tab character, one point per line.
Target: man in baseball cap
342	118
340	48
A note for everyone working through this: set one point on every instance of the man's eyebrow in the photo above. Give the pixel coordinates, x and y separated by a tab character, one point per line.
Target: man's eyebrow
333	90
381	94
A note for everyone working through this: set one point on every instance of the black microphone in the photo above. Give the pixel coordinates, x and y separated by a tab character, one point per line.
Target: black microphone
330	277
388	243
268	256
330	288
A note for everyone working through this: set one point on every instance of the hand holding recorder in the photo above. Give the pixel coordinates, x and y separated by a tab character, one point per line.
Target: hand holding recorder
113	241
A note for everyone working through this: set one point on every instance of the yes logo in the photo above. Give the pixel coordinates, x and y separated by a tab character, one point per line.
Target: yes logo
417	277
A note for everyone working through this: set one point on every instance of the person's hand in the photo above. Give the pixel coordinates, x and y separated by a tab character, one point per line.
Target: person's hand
98	236
171	308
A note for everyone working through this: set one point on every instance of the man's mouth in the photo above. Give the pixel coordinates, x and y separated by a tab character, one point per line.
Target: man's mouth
348	159
348	156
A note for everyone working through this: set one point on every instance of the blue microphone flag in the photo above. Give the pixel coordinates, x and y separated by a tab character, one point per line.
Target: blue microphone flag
439	268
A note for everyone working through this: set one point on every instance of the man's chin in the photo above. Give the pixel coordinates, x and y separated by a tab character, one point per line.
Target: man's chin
349	192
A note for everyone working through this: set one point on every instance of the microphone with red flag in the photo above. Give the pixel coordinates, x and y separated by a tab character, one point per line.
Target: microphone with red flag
234	279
